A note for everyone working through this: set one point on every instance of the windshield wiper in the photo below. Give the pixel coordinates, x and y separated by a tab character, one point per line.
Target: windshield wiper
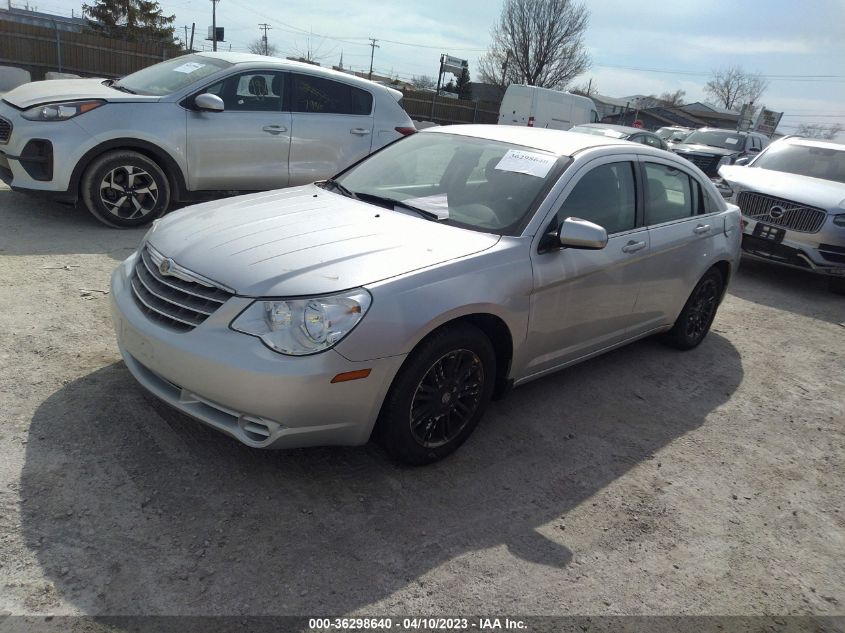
123	89
391	202
331	182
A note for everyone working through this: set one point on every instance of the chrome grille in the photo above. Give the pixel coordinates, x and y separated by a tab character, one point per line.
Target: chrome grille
173	301
705	163
789	215
5	130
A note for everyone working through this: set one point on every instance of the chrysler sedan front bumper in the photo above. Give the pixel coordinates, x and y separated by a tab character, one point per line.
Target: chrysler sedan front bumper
234	383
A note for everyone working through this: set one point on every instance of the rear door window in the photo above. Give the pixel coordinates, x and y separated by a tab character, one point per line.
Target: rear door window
670	194
326	96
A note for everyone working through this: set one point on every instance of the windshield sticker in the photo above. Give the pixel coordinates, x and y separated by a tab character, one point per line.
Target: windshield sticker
188	67
437	204
530	163
731	140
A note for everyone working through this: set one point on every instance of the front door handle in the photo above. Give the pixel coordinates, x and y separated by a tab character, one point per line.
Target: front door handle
360	131
701	228
633	247
274	129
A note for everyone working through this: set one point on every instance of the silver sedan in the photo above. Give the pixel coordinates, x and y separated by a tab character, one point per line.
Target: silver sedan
398	298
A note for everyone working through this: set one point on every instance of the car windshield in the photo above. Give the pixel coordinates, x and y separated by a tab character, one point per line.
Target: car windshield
475	183
168	77
667	133
599	131
805	160
716	138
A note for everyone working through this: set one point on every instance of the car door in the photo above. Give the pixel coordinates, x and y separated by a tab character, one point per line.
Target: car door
582	299
332	127
682	226
245	147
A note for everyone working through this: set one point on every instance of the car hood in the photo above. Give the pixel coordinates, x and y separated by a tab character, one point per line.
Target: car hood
305	241
38	92
703	149
815	192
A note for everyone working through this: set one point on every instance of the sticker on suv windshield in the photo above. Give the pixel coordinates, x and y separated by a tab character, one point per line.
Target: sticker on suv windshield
188	67
731	140
530	163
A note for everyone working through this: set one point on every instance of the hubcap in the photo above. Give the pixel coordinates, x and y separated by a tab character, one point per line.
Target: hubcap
446	398
702	310
128	192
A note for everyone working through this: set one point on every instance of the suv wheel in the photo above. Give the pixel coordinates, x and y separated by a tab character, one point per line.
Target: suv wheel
438	396
125	189
695	319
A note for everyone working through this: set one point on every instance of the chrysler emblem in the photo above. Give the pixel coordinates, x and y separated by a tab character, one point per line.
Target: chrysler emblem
165	266
776	212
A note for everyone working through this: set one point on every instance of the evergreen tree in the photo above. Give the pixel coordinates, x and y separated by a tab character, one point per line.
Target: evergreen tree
129	19
463	87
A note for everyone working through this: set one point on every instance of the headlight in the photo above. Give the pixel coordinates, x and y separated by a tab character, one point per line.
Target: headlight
725	160
839	220
298	327
60	111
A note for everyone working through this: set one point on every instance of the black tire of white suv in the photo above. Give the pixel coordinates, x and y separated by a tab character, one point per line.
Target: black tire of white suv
125	189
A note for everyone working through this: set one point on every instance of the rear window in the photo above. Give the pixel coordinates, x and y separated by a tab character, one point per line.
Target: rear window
317	94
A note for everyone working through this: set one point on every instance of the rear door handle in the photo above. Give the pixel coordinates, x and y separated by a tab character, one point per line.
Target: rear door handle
360	131
701	228
274	129
633	247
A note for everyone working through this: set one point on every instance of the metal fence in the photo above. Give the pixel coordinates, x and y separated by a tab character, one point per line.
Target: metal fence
41	49
427	106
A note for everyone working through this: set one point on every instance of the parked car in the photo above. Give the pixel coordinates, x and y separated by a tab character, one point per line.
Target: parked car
710	148
674	133
792	198
397	298
192	125
622	132
532	106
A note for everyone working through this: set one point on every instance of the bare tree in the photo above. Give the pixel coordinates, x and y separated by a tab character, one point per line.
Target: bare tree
673	99
258	48
537	42
423	82
817	130
585	89
731	87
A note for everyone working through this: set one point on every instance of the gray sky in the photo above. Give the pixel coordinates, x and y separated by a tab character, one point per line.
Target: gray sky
636	47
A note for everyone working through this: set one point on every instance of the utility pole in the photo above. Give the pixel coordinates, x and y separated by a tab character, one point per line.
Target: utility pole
193	28
265	26
505	68
373	47
186	36
214	24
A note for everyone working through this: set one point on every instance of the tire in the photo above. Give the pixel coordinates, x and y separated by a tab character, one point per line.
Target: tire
695	319
836	285
125	189
451	373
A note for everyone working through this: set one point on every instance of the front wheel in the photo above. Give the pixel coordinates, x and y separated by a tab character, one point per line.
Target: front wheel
695	319
439	395
125	189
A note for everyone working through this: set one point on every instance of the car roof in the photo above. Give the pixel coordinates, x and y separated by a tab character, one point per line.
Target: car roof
290	64
625	129
813	142
553	141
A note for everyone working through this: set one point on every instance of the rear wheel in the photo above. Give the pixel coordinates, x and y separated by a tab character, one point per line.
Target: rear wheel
695	319
439	395
125	189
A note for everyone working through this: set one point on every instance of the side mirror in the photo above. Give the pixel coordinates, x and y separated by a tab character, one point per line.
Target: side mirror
742	161
578	233
209	102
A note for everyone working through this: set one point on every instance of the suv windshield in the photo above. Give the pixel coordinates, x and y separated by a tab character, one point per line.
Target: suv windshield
168	77
805	160
476	183
715	138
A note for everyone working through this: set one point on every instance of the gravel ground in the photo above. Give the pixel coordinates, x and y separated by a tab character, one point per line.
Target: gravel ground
648	481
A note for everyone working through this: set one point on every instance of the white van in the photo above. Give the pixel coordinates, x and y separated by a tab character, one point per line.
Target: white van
542	107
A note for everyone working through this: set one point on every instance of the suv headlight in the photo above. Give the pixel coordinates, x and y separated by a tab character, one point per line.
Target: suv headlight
725	160
61	111
839	220
298	327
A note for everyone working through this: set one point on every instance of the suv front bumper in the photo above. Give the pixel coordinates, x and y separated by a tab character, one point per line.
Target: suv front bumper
808	251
